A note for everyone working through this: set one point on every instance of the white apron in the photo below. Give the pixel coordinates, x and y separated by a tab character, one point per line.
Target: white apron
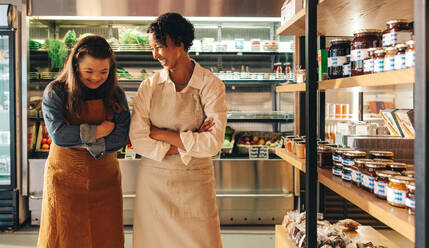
176	203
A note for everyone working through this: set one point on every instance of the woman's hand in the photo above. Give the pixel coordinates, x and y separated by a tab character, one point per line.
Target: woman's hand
206	126
173	150
104	129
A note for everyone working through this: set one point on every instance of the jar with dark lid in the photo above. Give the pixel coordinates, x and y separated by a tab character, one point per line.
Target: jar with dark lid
380	155
368	63
368	174
348	157
379	60
400	57
395	166
346	173
357	170
381	182
324	157
410	54
363	40
336	155
397	190
397	32
337	169
337	53
410	198
408	173
389	58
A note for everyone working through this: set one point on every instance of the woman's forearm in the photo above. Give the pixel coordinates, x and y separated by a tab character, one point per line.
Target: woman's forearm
170	137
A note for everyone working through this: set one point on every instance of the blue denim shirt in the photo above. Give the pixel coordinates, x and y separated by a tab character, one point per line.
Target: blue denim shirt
65	135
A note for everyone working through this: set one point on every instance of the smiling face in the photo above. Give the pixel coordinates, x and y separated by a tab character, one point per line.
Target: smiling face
93	72
168	56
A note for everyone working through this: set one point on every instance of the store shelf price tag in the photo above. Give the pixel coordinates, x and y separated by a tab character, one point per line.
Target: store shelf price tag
258	152
240	54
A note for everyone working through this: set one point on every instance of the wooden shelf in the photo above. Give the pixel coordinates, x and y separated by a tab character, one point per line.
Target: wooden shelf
343	17
291	158
406	76
396	218
363	233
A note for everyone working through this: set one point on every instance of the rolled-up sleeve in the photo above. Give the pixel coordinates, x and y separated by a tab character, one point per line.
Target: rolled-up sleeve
53	109
207	144
140	126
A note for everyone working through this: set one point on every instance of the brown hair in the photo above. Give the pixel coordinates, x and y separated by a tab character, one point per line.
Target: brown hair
97	47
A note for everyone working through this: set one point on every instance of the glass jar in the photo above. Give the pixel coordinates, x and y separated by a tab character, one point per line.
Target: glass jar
397	32
300	149
294	140
408	173
357	170
380	155
410	198
363	40
400	58
410	54
346	173
288	143
348	157
337	169
381	182
337	53
336	155
395	166
288	71
368	63
278	68
368	174
389	58
397	190
324	157
379	60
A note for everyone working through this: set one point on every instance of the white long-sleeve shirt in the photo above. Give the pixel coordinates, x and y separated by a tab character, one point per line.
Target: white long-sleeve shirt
206	144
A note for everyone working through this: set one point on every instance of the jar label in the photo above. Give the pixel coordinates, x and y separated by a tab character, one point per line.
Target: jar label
359	54
336	158
410	57
379	65
368	181
400	62
337	172
356	176
380	189
347	71
387	41
411	203
346	177
349	162
368	65
337	61
399	37
389	63
396	196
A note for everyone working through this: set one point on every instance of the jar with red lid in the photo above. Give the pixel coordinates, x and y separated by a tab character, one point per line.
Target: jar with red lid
410	198
381	182
398	31
369	173
364	39
337	57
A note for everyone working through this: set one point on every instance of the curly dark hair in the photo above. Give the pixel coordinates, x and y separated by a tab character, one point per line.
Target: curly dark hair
174	25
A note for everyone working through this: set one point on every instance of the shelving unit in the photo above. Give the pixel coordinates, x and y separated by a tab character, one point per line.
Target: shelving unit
389	78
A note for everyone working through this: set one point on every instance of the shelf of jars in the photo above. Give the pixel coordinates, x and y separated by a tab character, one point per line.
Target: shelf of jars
396	77
363	233
396	218
343	17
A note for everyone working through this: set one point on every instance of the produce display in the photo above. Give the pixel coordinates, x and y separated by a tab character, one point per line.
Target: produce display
43	140
57	53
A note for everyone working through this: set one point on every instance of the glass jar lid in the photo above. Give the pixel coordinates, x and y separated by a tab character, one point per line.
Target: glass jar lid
363	160
410	43
384	160
411	186
401	179
387	173
375	164
380	51
367	31
381	153
408	173
338	164
396	165
354	154
337	41
397	21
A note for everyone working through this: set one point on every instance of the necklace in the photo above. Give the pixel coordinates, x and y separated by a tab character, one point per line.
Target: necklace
185	83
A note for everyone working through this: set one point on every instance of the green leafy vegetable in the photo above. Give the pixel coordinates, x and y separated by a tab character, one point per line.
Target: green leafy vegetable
70	38
57	53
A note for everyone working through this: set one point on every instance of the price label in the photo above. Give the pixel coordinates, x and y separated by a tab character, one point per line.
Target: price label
258	152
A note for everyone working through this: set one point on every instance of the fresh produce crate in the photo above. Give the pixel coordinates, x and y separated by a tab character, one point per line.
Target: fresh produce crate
271	139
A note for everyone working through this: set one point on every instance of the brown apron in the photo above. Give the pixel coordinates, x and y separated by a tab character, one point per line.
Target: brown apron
176	203
82	197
